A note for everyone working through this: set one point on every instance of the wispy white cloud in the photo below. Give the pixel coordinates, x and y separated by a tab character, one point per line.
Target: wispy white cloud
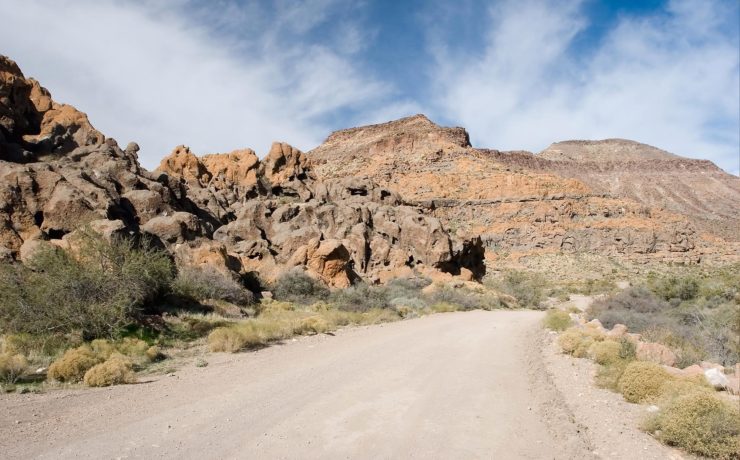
670	80
165	75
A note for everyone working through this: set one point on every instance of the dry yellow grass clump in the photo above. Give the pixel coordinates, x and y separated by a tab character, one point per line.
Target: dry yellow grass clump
12	367
700	423
578	341
557	320
605	352
73	365
116	370
643	381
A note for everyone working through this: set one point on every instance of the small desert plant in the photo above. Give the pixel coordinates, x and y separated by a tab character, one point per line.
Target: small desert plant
673	287
154	353
577	341
96	291
12	367
207	283
627	349
642	381
444	307
361	298
296	286
605	352
557	320
700	423
73	365
607	376
528	288
226	339
116	370
313	325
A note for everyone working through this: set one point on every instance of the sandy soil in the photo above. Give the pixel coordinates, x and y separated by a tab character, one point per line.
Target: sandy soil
457	385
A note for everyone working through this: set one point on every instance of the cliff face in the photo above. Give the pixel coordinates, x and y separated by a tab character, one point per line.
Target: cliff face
231	211
523	204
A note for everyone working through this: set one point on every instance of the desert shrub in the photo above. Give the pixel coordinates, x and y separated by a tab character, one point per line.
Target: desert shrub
132	347
636	307
557	320
699	318
642	381
116	370
577	341
413	303
296	286
674	287
406	287
12	367
361	298
527	288
443	307
605	352
378	316
71	367
102	348
313	325
676	387
154	353
40	350
207	283
627	349
608	375
570	340
226	339
96	292
700	423
687	352
462	298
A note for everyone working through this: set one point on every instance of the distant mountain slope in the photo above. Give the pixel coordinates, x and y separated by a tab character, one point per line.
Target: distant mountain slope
519	202
698	189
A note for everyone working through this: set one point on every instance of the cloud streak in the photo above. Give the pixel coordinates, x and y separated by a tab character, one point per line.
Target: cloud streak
227	74
670	80
160	77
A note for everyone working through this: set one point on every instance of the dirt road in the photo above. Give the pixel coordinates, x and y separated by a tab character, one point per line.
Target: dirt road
458	385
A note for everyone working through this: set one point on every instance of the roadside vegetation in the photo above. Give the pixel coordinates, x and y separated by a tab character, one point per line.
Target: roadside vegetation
106	311
697	320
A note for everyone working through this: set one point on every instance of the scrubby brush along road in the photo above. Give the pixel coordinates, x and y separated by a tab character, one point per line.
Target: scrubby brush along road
457	385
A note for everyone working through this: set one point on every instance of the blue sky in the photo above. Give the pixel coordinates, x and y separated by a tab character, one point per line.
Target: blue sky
522	74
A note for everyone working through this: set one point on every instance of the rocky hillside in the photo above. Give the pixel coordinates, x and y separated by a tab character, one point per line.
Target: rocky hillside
231	211
370	203
520	203
697	189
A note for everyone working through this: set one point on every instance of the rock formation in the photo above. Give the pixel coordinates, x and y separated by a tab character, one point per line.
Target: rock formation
369	203
231	210
523	204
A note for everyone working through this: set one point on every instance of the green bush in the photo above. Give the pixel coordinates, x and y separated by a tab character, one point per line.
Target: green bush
296	286
674	287
361	298
697	328
608	375
527	287
606	352
206	283
700	423
642	381
557	320
96	292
